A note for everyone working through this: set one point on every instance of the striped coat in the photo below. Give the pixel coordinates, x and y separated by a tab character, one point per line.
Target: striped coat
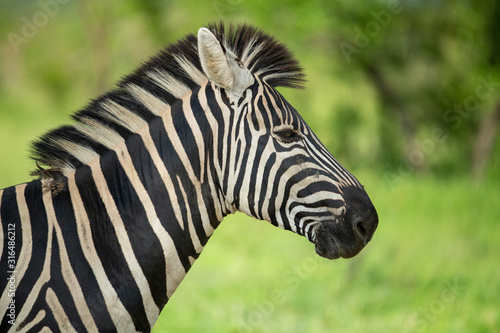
129	194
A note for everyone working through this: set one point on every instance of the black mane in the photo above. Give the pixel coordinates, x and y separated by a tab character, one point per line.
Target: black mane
178	69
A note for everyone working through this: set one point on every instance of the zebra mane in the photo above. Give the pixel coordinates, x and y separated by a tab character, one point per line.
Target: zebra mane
167	77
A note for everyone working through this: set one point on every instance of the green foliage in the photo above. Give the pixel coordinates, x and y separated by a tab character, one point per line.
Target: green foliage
389	111
382	76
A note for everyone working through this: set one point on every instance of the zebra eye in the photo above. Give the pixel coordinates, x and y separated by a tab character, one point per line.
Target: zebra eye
287	135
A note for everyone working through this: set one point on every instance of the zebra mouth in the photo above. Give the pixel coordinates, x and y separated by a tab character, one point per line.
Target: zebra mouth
331	252
325	244
330	243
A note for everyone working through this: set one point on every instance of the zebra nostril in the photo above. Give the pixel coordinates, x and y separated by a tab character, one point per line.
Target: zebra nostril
360	228
363	230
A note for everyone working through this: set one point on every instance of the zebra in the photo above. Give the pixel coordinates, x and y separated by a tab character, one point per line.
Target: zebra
126	197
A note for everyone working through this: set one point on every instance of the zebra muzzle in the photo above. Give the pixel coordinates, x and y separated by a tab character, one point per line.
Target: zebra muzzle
345	237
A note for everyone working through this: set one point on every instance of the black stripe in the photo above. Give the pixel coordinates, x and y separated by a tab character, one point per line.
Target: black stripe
94	111
136	224
186	136
221	124
264	188
243	165
273	96
153	265
261	109
255	121
59	287
237	125
208	140
126	100
93	296
39	232
106	242
226	127
318	186
273	112
294	179
175	168
255	169
66	219
41	305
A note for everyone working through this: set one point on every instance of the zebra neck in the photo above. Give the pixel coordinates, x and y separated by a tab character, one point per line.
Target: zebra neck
142	213
158	193
129	223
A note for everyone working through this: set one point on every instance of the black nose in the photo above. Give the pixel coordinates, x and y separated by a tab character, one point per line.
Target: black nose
361	214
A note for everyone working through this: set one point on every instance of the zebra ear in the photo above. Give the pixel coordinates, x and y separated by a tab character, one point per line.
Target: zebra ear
222	66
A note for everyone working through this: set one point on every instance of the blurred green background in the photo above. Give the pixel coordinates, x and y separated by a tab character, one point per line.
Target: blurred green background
406	94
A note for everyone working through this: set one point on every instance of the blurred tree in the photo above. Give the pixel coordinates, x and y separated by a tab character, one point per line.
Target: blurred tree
488	131
426	61
410	85
93	15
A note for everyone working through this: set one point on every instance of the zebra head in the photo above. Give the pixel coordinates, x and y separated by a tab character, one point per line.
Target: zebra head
273	167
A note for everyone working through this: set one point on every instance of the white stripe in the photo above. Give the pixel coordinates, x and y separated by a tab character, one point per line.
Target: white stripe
165	176
176	271
282	180
227	166
82	153
267	151
274	105
25	248
194	73
198	135
73	286
181	153
58	312
45	274
192	231
218	202
153	103
38	318
152	310
169	83
99	132
247	56
122	116
119	315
